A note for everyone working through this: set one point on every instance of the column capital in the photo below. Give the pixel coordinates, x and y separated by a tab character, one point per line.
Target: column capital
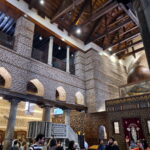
46	106
14	101
68	46
51	37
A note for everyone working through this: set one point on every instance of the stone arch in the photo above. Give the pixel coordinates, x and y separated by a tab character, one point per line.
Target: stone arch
79	98
60	94
35	87
5	78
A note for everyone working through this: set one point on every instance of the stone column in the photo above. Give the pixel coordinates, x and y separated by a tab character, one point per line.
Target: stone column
68	60
50	50
46	113
10	125
24	37
80	64
67	117
142	8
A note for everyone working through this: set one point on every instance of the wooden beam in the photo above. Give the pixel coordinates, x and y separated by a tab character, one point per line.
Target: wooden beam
86	2
131	53
133	35
94	28
124	49
130	14
97	14
65	10
112	30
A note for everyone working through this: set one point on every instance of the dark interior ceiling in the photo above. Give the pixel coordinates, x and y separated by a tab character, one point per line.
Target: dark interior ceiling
108	23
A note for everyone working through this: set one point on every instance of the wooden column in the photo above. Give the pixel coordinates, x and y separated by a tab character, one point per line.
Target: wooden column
10	125
68	60
50	50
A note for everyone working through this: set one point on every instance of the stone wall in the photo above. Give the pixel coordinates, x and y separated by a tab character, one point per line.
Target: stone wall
103	77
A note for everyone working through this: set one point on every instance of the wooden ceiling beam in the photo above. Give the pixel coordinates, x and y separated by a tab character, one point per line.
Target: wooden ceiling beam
97	14
132	36
124	49
131	53
65	10
130	14
112	30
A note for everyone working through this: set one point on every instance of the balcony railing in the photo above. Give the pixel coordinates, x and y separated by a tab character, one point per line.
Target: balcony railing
57	63
6	40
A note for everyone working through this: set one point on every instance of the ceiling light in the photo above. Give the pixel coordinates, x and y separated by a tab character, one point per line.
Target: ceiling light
42	2
1	97
110	48
59	47
25	15
40	38
78	31
72	55
5	17
63	39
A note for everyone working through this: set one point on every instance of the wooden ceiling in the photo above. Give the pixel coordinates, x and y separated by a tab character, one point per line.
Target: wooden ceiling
108	23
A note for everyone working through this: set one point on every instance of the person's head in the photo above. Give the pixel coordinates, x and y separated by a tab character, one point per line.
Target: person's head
40	139
59	148
101	141
71	145
53	142
15	143
111	141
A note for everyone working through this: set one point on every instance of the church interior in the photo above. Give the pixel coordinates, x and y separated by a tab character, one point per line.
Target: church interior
75	69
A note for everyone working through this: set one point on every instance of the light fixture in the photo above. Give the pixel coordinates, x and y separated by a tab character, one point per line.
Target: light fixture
110	48
59	47
25	15
42	2
63	39
1	97
40	38
5	17
72	55
78	30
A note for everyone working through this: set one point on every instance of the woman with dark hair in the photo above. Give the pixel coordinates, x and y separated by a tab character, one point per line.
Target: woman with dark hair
52	144
71	145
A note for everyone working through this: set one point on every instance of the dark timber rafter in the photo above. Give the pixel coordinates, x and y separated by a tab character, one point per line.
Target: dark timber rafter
133	35
84	5
100	13
130	14
67	9
131	53
112	30
128	46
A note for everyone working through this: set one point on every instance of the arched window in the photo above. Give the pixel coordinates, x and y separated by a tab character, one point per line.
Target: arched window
35	87
60	94
102	132
5	78
79	98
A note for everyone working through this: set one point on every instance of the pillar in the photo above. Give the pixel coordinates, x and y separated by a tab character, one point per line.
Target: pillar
50	50
80	64
68	60
10	125
24	32
67	117
46	113
142	10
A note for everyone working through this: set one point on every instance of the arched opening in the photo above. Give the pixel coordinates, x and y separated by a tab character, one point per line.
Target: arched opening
35	87
60	94
79	98
5	78
102	132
